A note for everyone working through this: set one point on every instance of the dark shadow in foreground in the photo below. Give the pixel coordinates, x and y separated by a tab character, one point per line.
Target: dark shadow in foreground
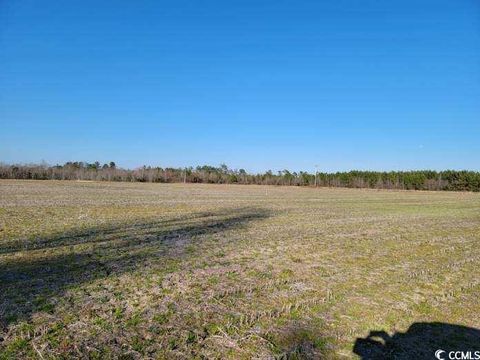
32	276
420	341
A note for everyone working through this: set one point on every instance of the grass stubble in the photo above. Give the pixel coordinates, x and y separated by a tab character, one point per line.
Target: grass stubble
120	270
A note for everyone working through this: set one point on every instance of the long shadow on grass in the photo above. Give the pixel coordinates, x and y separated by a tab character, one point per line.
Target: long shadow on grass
52	265
103	233
420	341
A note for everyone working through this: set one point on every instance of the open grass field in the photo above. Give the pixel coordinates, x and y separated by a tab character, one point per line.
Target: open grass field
133	270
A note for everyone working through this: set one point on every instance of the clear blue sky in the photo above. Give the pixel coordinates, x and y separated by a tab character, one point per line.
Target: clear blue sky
255	84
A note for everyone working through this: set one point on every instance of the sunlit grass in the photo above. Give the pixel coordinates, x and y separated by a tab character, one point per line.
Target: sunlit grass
103	270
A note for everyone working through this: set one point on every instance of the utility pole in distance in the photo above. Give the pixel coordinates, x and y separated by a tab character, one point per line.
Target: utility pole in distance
316	171
185	175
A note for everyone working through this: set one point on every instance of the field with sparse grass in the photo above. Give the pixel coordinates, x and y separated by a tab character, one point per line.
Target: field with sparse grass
133	270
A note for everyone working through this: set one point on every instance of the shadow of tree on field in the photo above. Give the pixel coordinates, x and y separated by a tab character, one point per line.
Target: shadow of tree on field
103	233
52	265
420	341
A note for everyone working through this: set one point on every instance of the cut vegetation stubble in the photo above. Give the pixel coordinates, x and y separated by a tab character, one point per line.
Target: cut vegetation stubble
109	270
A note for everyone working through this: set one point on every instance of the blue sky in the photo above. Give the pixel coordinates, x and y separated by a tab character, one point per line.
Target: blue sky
259	85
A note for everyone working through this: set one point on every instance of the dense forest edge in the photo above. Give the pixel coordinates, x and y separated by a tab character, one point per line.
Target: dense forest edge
452	180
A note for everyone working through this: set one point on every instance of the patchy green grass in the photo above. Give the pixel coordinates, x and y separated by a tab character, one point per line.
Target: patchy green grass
110	270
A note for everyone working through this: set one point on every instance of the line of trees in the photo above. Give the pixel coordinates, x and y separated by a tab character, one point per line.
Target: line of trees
407	180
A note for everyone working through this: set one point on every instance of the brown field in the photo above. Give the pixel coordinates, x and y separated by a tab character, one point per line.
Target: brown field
133	270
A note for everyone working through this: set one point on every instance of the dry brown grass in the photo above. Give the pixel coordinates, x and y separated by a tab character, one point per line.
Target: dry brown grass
109	270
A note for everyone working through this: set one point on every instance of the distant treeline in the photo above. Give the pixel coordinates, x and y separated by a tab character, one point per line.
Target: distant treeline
408	180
